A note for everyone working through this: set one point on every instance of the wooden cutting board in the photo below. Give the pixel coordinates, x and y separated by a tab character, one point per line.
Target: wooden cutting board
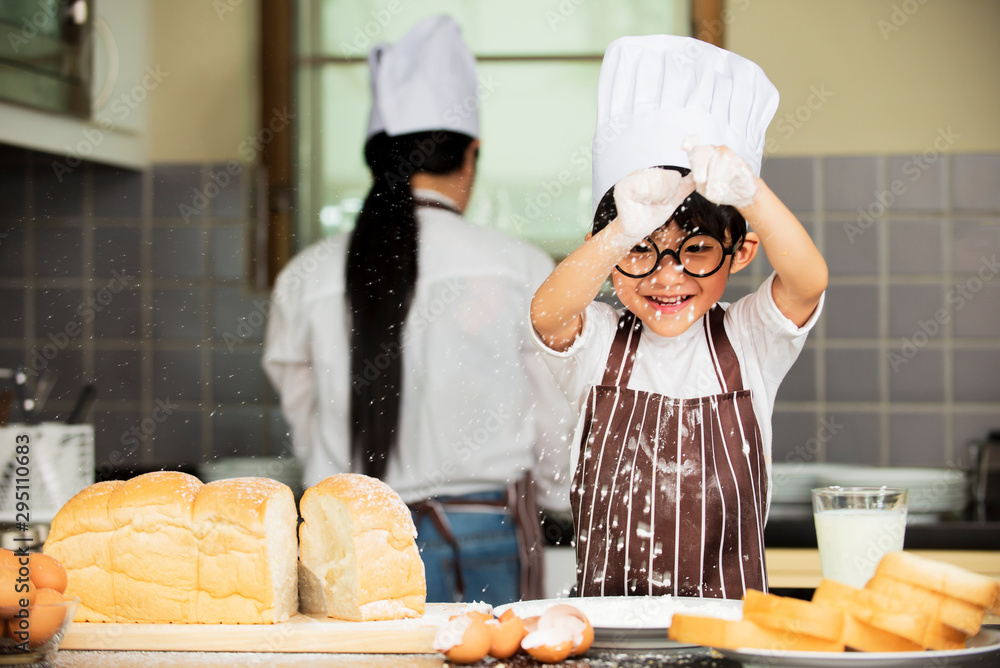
302	633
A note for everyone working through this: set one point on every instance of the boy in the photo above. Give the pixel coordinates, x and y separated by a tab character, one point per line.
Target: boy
674	394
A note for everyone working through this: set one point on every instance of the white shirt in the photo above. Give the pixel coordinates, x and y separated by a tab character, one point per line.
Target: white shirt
478	405
765	341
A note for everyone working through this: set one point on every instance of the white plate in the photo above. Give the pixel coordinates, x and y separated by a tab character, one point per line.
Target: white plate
981	650
633	622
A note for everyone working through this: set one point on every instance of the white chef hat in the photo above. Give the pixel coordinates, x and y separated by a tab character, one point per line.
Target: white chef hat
656	90
425	81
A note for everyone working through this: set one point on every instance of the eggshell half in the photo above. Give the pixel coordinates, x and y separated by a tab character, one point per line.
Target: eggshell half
463	639
569	617
505	636
549	645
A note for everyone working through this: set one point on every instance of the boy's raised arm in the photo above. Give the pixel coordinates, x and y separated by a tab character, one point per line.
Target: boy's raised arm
645	200
724	178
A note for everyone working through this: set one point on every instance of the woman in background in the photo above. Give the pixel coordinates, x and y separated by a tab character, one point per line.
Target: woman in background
402	350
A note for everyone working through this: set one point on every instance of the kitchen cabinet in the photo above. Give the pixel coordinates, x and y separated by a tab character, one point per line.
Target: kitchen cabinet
116	131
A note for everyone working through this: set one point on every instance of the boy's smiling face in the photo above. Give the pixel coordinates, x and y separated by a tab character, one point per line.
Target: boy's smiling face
669	301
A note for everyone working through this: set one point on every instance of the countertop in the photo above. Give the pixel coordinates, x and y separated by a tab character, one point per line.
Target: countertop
694	658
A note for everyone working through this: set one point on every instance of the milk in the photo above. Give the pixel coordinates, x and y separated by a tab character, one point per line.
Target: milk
852	542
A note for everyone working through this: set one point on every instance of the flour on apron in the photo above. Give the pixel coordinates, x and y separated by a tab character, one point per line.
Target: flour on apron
669	494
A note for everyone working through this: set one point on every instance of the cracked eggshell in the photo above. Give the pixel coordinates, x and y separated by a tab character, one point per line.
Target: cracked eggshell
569	617
463	638
550	645
506	635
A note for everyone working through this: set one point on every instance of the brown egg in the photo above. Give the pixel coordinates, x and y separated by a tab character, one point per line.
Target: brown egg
463	639
549	645
46	572
15	591
505	636
43	621
8	559
569	617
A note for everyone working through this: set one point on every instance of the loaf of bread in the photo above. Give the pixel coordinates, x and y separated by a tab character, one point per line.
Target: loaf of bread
163	547
358	555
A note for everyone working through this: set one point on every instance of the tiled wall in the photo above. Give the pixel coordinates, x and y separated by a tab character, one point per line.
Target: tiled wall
106	277
185	328
903	368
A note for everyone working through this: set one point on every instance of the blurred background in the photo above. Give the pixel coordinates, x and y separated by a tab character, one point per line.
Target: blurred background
160	160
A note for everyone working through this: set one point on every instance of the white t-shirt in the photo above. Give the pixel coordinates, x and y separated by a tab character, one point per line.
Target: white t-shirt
478	405
765	341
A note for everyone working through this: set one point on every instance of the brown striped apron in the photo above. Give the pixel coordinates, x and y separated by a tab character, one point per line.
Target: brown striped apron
669	494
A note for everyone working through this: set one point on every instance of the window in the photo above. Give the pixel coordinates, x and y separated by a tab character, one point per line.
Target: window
538	65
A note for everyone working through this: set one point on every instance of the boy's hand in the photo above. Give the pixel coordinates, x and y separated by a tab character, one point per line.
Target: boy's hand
646	199
721	176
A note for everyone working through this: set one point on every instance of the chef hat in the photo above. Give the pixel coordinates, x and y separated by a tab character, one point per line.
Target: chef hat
654	91
426	81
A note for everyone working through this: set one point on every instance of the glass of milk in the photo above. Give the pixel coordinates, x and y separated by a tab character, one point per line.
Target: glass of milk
855	526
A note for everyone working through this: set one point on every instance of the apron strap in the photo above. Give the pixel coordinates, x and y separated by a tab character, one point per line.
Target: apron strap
519	502
530	541
618	370
725	362
432	204
432	509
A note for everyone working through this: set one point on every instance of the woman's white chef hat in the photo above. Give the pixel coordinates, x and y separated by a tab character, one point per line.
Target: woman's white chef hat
656	90
425	81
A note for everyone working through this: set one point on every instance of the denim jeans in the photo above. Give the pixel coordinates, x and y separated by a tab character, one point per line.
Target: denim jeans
488	554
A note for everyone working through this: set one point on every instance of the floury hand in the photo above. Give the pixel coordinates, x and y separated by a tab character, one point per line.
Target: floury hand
721	176
646	200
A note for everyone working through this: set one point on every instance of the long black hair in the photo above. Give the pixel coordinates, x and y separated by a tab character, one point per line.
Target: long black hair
381	279
720	220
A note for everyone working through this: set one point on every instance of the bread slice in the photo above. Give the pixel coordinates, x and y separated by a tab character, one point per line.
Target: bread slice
247	551
791	614
79	539
866	638
154	552
960	615
874	609
887	614
943	578
358	555
713	632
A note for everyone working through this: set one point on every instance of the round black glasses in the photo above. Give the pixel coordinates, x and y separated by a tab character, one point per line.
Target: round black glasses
699	255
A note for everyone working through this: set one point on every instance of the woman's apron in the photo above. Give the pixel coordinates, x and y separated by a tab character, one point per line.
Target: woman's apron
669	494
